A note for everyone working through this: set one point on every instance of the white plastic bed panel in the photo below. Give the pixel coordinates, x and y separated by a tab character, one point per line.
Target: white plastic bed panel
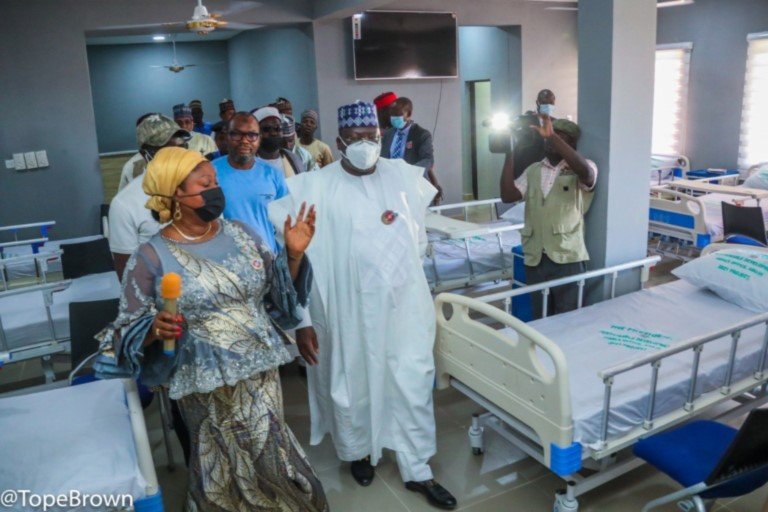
77	438
601	336
24	317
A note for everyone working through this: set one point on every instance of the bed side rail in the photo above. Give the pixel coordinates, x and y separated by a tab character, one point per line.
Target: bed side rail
644	264
47	289
509	371
39	260
694	403
464	206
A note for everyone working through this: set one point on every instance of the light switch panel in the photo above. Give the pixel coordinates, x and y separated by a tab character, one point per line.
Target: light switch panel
30	159
18	161
42	158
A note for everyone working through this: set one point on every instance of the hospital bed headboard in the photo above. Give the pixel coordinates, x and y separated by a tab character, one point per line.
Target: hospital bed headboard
508	367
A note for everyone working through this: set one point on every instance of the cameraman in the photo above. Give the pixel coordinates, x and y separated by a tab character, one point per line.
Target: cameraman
557	191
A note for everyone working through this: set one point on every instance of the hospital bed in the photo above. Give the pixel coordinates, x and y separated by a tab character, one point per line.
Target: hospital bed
48	255
577	390
464	254
89	439
34	321
687	214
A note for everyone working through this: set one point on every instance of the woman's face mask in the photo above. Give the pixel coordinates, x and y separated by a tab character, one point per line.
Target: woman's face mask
213	204
362	155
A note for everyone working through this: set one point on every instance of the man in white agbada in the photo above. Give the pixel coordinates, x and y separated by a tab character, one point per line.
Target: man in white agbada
372	373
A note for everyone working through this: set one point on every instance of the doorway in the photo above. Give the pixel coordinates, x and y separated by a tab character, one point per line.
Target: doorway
484	182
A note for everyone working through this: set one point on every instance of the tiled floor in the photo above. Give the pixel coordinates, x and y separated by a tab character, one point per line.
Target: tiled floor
480	483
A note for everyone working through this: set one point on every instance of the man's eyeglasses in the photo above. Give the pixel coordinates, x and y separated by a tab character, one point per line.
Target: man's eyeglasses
237	135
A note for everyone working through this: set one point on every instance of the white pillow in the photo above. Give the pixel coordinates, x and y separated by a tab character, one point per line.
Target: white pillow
739	276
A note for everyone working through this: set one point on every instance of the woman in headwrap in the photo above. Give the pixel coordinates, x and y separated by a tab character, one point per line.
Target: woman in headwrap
236	300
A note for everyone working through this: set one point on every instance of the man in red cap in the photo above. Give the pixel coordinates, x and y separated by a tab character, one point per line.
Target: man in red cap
383	101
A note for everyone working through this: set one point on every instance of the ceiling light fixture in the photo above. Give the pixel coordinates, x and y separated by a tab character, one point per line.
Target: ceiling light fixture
158	38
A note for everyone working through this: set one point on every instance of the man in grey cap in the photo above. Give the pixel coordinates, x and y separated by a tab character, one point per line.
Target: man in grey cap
135	165
130	223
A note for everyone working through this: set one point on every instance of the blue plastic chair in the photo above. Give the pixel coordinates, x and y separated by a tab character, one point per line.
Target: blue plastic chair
710	460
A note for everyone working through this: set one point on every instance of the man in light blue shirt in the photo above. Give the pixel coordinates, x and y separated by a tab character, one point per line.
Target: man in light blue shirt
249	184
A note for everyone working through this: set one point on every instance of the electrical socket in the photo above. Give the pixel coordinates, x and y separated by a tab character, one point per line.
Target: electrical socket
18	161
9	164
30	159
42	158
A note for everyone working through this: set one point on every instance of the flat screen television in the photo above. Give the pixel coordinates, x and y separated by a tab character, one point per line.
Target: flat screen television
404	45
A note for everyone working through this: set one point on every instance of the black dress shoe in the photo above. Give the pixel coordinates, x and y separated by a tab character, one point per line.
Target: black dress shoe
362	471
437	495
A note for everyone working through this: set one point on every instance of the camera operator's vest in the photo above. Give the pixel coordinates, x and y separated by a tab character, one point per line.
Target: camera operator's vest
555	224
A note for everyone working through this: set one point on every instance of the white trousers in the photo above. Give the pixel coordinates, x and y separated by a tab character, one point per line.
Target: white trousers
413	469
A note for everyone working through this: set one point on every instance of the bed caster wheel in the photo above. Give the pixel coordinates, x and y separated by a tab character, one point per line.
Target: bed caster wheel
565	503
476	435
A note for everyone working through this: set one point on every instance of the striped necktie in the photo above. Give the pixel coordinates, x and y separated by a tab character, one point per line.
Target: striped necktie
399	151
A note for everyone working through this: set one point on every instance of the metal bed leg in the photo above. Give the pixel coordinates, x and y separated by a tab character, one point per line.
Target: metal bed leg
476	435
167	422
48	372
565	501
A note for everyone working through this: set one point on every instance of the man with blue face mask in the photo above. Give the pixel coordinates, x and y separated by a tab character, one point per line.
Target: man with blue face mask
528	146
371	369
409	141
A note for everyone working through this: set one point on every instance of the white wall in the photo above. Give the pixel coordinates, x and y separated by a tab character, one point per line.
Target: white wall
549	60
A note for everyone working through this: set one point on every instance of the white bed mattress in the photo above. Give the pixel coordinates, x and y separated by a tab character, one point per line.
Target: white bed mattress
77	438
54	265
666	314
451	255
24	318
713	215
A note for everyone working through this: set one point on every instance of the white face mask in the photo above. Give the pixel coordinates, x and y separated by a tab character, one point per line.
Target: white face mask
547	109
363	154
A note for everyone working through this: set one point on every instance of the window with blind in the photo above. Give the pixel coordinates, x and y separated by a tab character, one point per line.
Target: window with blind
670	98
753	143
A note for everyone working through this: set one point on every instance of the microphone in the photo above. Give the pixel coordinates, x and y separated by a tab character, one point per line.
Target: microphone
170	289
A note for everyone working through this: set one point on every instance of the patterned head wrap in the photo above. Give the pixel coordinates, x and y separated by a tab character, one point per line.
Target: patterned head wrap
312	114
288	126
165	173
359	114
181	110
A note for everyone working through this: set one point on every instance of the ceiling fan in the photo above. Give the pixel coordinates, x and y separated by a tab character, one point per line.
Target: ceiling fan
175	67
202	22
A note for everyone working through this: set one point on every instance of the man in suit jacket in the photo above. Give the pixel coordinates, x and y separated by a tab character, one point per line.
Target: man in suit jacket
411	142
